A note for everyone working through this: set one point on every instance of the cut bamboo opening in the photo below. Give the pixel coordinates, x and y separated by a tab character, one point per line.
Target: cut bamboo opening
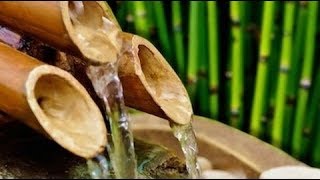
51	22
147	78
51	101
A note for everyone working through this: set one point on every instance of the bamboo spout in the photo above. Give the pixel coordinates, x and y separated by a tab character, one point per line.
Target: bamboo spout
148	81
51	101
147	78
51	22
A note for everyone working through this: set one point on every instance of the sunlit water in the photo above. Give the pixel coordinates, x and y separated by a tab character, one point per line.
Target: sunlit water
187	139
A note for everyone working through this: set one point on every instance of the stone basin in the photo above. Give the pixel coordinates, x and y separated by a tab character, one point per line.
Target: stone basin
226	148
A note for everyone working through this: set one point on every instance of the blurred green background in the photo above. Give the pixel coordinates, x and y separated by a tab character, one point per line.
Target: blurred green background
252	65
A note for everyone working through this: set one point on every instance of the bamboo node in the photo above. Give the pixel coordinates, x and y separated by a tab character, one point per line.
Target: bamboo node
305	83
284	69
306	131
141	13
228	74
235	112
287	34
213	90
129	18
202	73
235	23
263	58
303	3
177	28
264	119
191	80
291	100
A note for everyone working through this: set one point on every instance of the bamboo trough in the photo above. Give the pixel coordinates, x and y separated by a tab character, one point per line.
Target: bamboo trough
51	101
148	81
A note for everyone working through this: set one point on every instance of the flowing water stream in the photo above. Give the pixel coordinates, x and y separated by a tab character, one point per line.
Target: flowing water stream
121	148
187	139
94	39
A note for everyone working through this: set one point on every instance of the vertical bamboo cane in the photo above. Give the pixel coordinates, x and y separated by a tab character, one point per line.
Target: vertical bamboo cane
236	64
315	155
286	50
305	80
193	49
178	38
311	124
213	57
121	13
261	78
162	30
202	87
273	68
150	16
129	16
140	19
248	60
294	73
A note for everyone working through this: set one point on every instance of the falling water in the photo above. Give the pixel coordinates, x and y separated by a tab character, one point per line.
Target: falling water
94	38
121	149
187	139
99	167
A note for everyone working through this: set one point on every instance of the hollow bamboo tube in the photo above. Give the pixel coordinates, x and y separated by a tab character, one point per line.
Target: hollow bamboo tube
142	85
138	83
50	21
51	101
147	78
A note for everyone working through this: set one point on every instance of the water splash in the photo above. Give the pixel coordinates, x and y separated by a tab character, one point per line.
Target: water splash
187	139
99	167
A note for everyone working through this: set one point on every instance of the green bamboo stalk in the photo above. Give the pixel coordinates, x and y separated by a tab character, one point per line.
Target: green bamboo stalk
305	80
193	49
261	78
130	26
213	58
162	28
315	155
140	19
236	64
150	17
178	38
294	73
249	55
311	121
286	51
225	66
273	69
203	86
121	13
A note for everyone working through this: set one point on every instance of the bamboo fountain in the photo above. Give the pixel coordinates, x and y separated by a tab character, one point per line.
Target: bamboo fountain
149	84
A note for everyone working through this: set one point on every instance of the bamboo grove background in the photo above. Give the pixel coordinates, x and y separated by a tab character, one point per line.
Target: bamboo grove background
252	65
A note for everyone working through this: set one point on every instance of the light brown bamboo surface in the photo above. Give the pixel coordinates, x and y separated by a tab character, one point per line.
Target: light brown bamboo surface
51	101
